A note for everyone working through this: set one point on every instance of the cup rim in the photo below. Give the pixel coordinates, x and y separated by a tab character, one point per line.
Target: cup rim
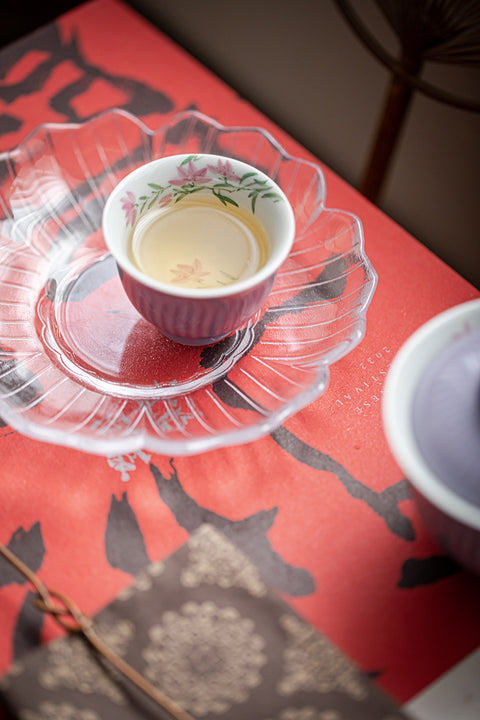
273	263
400	385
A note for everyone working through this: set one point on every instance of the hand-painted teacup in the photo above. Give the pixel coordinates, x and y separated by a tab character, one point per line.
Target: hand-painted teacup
198	240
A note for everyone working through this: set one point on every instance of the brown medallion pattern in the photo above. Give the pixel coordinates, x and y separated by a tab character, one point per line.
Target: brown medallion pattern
62	711
213	560
205	628
210	643
70	664
312	663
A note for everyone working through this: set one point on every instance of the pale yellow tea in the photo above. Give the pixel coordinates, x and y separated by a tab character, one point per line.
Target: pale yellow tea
199	243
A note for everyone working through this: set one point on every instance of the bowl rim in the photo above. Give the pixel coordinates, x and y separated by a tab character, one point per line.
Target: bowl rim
269	269
400	385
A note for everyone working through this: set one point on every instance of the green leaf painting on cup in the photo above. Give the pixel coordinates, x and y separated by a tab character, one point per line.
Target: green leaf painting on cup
220	180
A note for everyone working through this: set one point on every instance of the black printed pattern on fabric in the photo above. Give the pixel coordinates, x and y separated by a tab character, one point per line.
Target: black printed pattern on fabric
140	98
248	534
126	549
27	545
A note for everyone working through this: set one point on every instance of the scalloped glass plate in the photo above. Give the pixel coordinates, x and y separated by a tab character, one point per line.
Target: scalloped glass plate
79	367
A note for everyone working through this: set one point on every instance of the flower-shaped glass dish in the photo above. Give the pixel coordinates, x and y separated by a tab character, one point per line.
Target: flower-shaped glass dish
80	367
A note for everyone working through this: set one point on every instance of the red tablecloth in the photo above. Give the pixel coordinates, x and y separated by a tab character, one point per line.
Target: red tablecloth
321	501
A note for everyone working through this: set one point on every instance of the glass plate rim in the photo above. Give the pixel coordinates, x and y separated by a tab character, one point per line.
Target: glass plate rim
141	439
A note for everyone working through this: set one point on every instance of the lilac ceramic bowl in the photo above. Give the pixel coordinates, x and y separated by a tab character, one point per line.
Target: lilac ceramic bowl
431	413
204	315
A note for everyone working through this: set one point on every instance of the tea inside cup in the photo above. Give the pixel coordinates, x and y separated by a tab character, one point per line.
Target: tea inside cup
199	244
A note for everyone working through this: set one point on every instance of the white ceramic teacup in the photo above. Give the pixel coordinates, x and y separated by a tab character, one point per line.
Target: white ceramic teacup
445	482
197	315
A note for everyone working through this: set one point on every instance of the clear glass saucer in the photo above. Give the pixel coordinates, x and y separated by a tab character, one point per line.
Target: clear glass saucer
79	367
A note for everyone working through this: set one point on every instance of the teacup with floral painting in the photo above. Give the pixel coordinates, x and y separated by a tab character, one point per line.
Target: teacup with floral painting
198	240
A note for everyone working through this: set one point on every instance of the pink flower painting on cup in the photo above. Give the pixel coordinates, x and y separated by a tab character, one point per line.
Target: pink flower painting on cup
217	178
190	273
224	169
190	174
129	207
165	200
